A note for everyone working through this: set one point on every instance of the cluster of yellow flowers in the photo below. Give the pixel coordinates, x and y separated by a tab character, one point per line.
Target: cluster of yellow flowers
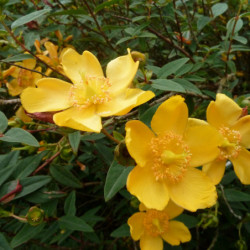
166	179
167	156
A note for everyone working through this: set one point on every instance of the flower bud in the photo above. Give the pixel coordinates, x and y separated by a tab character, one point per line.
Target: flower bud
122	155
138	56
35	216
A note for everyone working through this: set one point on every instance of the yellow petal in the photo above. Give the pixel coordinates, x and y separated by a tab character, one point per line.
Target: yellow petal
173	210
51	95
135	223
148	242
223	112
29	63
195	122
243	126
52	49
123	103
45	59
77	66
22	115
14	88
215	170
172	115
177	233
241	166
85	119
121	72
194	191
141	183
203	142
138	137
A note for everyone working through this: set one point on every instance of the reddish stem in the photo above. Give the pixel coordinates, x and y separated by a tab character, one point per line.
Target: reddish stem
17	189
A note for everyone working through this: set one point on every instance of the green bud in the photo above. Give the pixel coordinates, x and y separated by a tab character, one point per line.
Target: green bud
122	155
35	216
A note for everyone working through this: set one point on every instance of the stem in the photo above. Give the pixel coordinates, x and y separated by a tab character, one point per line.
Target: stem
178	23
12	101
105	132
19	218
17	189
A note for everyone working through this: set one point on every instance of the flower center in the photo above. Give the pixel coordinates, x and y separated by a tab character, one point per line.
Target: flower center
171	157
230	147
91	90
156	222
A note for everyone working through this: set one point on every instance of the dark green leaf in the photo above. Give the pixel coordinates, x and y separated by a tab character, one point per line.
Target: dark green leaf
189	220
28	18
69	205
167	85
64	176
74	223
4	245
105	4
21	136
235	195
18	58
116	179
188	86
26	233
74	140
105	152
122	231
3	122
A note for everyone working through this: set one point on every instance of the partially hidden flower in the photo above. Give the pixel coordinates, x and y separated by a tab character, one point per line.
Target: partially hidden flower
152	227
226	116
22	78
91	96
167	156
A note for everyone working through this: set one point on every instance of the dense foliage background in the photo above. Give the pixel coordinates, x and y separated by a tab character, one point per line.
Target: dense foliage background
194	48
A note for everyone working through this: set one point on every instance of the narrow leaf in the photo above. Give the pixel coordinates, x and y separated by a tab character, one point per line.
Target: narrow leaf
4	245
69	205
167	85
74	223
235	195
74	140
18	58
3	122
122	231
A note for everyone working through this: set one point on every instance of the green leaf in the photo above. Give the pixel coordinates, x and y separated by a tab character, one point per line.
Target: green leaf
7	169
18	58
202	22
124	39
195	78
189	220
31	184
147	116
4	245
105	152
188	86
240	39
172	67
167	85
30	17
235	195
116	179
69	205
3	122
64	176
74	140
21	136
219	8
122	231
26	233
105	4
74	223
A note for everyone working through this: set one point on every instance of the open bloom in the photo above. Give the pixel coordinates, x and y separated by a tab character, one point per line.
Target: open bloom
152	226
22	78
225	115
167	157
91	96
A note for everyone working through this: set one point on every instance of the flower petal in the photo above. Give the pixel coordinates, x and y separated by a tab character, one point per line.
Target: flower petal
195	122
141	183
135	223
215	170
194	191
173	210
14	88
29	63
172	115
138	137
77	66
86	119
177	233
51	95
121	72
52	49
241	166
123	103
203	142
223	112
148	242
243	126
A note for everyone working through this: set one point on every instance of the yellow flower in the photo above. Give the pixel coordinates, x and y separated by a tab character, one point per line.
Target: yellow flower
22	78
167	157
152	226
91	96
225	115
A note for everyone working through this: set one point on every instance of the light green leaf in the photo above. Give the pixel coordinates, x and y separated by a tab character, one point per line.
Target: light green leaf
20	135
172	67
30	17
167	85
74	223
3	122
219	8
202	22
116	179
188	86
18	58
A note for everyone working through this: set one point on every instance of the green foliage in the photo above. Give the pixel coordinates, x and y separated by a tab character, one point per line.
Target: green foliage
192	48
